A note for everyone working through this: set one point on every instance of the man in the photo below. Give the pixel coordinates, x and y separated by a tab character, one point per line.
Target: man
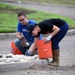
24	41
57	29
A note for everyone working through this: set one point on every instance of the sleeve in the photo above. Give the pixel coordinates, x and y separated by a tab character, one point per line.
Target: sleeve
41	37
46	26
19	29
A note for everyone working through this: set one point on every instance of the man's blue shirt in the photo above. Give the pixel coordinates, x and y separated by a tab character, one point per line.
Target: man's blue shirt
23	29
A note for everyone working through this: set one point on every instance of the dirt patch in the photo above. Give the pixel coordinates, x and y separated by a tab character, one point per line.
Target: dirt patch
48	67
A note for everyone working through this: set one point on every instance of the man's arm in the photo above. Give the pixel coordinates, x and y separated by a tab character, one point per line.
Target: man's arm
32	48
55	31
19	35
22	39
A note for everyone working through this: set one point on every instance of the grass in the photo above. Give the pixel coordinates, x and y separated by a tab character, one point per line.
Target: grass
8	17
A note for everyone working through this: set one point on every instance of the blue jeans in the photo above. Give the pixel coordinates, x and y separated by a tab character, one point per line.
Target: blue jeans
18	45
59	36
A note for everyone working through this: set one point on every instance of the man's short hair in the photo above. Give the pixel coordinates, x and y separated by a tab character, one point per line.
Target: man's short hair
21	13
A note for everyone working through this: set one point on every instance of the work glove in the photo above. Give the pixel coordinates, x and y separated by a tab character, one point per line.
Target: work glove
23	42
48	38
28	53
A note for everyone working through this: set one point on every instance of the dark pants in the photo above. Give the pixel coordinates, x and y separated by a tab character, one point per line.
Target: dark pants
59	36
21	48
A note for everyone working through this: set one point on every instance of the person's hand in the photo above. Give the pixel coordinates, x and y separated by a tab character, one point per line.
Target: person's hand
23	42
48	38
28	53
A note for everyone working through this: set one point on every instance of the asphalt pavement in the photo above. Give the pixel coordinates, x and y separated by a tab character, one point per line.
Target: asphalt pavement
67	56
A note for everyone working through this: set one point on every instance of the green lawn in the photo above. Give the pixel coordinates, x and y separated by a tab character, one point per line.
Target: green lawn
8	17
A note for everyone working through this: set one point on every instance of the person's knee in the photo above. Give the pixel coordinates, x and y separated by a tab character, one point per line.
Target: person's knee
17	41
55	47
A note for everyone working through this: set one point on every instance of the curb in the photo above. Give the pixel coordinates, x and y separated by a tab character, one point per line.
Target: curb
7	35
71	32
13	35
21	65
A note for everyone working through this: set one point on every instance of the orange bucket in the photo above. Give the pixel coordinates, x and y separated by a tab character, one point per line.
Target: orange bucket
44	49
14	50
